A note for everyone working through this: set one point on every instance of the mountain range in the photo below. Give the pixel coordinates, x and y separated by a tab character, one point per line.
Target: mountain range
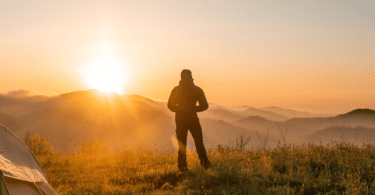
131	121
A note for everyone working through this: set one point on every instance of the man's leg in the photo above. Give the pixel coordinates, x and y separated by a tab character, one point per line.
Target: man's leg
181	133
196	132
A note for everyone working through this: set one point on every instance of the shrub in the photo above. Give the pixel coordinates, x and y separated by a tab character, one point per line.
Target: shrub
38	144
91	147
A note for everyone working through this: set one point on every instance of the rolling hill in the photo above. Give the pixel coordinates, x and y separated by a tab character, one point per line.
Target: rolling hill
355	135
9	121
293	113
131	121
221	114
265	114
122	121
365	113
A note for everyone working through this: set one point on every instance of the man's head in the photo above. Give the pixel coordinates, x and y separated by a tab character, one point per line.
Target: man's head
186	74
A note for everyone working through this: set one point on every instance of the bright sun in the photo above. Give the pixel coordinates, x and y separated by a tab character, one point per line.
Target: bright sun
105	74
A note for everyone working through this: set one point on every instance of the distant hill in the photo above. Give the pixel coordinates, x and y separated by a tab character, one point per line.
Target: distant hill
131	121
356	135
360	113
9	121
298	128
238	108
253	119
231	114
293	113
257	124
274	129
273	113
17	106
220	132
265	114
124	121
217	132
221	114
310	125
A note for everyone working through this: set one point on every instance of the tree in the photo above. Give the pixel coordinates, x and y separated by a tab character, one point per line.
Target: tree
38	144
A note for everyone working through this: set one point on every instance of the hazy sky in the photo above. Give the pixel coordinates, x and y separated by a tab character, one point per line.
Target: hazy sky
316	55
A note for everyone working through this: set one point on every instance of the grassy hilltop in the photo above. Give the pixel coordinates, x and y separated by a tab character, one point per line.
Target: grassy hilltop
115	165
339	168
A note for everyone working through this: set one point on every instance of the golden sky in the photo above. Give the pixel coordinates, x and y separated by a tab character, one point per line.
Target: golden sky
307	55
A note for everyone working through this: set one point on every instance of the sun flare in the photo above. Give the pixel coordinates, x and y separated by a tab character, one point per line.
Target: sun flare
105	74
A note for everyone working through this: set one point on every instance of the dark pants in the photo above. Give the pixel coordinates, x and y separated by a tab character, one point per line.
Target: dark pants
196	131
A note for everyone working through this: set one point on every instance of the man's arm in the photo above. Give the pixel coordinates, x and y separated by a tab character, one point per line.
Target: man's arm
172	101
202	101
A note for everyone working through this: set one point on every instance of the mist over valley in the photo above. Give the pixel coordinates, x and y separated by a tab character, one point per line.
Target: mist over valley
133	121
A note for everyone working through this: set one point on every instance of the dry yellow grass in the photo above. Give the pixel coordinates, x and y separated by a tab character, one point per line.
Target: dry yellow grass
306	169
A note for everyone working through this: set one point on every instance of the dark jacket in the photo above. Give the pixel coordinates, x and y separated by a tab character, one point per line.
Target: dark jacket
183	101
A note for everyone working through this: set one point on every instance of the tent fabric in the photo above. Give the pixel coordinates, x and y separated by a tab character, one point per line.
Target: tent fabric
20	168
45	187
3	187
16	186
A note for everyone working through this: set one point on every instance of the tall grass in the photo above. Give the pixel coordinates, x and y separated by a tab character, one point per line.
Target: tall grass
304	169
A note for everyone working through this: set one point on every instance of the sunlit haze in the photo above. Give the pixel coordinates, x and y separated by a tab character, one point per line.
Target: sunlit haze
106	74
307	55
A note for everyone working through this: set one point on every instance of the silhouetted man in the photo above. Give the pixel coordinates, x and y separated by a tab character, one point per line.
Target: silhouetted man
183	101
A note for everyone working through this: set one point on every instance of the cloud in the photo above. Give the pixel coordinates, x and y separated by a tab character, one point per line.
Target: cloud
19	93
